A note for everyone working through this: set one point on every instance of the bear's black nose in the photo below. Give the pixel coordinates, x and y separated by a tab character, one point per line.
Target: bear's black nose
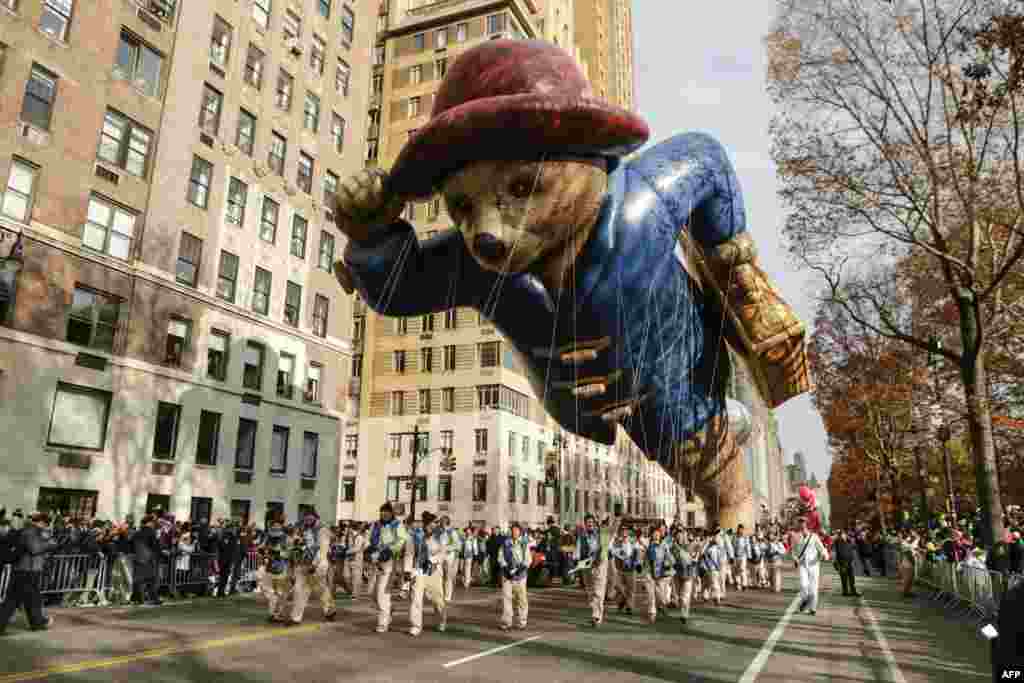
489	247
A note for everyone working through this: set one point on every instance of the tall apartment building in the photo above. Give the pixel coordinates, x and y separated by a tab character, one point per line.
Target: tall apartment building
451	375
172	334
604	38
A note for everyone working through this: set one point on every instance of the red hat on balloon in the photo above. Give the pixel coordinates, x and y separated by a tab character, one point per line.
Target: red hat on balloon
512	99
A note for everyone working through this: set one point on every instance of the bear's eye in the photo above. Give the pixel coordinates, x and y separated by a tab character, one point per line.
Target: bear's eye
520	189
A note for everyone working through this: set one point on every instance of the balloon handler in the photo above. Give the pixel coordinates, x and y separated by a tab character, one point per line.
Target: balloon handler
617	281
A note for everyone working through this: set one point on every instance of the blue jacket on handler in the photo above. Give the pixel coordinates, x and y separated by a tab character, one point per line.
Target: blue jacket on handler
633	301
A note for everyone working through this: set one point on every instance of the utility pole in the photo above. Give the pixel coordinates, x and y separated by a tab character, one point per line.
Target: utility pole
416	455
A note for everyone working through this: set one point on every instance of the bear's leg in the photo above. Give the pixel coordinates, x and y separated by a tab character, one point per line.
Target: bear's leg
770	332
720	478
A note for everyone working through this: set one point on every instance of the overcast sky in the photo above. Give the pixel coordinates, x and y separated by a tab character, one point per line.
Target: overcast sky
701	66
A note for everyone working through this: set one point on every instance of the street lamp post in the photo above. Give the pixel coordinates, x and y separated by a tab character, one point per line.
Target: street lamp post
934	360
419	454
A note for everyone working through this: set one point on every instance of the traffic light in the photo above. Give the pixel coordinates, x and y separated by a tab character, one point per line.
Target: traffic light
448	463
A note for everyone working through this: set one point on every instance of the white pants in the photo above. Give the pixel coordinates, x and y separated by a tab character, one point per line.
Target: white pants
809	585
467	571
451	568
430	588
382	592
514	598
742	579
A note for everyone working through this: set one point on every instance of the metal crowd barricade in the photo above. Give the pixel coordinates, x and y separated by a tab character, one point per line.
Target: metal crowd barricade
5	579
968	591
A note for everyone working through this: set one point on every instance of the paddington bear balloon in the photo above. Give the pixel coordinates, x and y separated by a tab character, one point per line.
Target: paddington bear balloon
810	506
615	281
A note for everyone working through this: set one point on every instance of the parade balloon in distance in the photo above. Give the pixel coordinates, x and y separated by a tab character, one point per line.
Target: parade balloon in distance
741	424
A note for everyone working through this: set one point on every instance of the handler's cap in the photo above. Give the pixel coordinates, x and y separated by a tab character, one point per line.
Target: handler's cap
428	518
512	100
40	517
387	507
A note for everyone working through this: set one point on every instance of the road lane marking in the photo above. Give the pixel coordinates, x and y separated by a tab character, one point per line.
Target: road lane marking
890	659
492	651
157	653
754	670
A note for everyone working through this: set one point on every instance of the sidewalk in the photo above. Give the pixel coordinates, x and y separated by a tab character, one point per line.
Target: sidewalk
880	636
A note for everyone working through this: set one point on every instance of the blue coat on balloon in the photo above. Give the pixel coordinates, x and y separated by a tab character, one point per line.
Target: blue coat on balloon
632	301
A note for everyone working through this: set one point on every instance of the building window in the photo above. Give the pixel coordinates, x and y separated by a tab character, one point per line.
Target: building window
441	38
440	68
227	276
479	488
398	361
292	303
348	489
487	396
511	488
357	365
261	291
435	209
139	64
324	7
304	174
252	372
291	26
310	453
448	400
419	41
338	132
285	375
316	55
109	228
79	417
300	226
489	353
125	144
342	77
495	23
415	74
40	93
372	149
179	332
330	184
326	257
401	325
238	192
449	358
245	450
283	94
320	306
397	403
481	442
20	191
413	107
394	488
358	329
209	438
450	319
199	182
460	32
254	61
217	355
209	111
424	401
311	113
313	383
261	14
220	42
525	491
352	446
279	450
427	359
428	323
348	26
56	18
268	220
444	488
165	439
190	252
278	152
245	138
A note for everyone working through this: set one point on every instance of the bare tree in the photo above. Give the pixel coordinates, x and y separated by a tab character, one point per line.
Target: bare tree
899	137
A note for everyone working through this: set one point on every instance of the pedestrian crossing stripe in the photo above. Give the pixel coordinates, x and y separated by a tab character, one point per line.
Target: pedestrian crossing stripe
158	653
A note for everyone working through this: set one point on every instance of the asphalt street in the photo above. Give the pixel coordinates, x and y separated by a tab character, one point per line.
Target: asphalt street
754	636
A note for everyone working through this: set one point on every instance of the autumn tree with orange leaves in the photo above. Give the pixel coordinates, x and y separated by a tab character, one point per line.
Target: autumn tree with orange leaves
899	135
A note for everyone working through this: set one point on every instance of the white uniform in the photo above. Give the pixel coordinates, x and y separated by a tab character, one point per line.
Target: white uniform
514	559
352	568
467	554
387	541
452	539
311	575
808	553
742	550
425	560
